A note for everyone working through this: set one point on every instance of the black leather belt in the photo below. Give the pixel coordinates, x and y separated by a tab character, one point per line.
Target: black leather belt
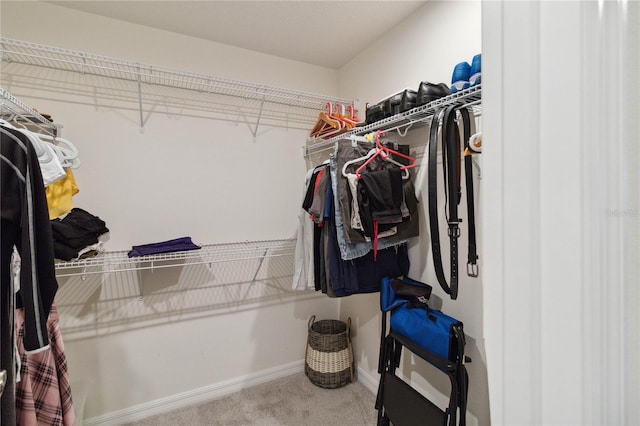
451	158
450	147
472	257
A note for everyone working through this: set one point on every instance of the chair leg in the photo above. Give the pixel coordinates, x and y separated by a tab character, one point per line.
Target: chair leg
454	399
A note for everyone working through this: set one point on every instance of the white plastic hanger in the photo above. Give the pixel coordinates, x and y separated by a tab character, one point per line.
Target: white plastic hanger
66	151
387	157
357	160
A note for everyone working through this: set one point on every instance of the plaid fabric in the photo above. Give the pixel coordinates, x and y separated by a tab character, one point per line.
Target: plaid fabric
43	395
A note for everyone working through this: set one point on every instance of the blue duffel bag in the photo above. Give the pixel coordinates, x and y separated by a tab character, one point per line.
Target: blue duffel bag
412	318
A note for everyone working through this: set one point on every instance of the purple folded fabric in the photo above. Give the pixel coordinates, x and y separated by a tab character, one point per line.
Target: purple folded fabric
179	244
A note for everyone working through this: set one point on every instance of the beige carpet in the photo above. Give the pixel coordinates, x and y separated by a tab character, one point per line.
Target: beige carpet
292	400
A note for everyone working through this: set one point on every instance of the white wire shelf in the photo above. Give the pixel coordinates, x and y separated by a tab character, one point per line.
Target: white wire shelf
419	116
17	109
118	261
18	51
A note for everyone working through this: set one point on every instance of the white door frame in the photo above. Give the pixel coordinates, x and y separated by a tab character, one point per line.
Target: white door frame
560	211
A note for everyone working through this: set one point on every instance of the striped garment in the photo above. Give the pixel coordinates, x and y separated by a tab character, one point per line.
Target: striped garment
43	394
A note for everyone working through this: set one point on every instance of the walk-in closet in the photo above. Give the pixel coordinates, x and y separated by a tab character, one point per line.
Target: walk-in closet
220	167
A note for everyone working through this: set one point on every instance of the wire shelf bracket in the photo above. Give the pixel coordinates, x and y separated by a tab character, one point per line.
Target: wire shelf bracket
254	132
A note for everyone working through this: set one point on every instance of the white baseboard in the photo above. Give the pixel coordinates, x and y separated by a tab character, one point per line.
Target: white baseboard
368	381
195	396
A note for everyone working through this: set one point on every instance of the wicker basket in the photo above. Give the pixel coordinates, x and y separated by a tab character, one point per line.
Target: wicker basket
329	356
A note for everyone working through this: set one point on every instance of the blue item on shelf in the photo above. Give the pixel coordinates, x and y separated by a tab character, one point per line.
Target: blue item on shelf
476	70
460	77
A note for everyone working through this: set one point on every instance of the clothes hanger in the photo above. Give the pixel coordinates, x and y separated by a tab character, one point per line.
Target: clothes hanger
369	137
4	122
323	123
42	151
357	160
7	118
348	119
44	154
326	124
66	151
386	153
341	124
352	114
403	167
377	153
368	155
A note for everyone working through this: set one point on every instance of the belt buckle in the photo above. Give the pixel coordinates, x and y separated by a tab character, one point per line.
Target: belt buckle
472	269
454	231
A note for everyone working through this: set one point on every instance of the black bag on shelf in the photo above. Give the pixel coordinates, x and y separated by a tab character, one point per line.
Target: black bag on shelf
374	112
408	100
392	105
428	92
404	101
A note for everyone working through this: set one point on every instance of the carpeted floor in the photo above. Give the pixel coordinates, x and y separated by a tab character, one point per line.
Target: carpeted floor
292	400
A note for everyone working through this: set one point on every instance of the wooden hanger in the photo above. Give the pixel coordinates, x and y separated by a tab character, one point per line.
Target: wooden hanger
328	133
323	123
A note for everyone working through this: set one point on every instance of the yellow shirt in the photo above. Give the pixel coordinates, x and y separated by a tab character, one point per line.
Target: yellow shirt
59	195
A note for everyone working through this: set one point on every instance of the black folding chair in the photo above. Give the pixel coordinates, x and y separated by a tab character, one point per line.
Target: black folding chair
400	404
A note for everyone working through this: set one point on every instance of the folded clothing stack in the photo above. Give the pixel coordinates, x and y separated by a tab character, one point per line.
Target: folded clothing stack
178	244
75	232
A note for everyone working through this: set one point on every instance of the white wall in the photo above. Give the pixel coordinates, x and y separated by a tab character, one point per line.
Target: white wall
189	173
189	159
425	47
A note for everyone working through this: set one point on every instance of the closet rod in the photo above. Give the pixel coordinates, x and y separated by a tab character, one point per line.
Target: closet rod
19	109
22	52
420	115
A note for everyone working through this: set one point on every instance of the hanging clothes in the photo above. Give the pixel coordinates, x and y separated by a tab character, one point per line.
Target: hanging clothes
342	267
379	199
354	242
43	394
303	277
60	195
24	224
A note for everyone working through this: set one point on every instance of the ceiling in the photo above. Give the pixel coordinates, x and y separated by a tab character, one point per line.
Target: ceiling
325	33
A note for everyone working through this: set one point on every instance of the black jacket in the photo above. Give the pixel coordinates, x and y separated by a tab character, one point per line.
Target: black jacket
25	225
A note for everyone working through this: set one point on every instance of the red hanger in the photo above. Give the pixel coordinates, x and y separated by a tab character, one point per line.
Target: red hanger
385	153
348	119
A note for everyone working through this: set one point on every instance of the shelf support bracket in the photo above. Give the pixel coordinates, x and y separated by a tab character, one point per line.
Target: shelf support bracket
478	168
140	284
255	131
84	64
140	100
259	265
